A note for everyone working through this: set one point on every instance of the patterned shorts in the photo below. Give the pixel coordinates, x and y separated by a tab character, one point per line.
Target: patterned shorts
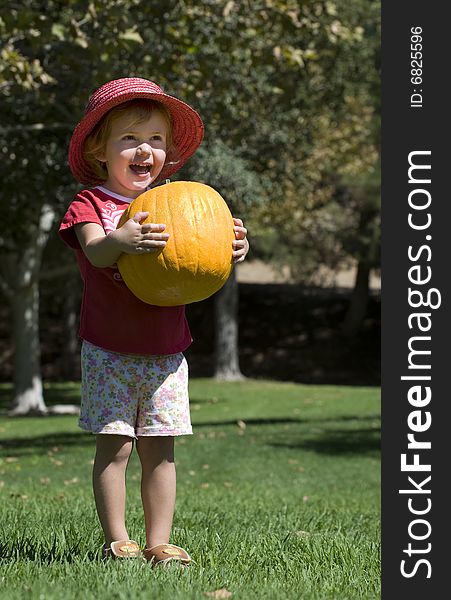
134	395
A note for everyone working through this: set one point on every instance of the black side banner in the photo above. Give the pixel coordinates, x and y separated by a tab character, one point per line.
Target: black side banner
416	316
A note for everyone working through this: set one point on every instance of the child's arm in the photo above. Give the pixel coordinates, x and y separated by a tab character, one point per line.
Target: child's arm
133	238
240	244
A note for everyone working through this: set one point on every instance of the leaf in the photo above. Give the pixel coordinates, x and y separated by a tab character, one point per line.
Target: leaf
228	8
71	481
81	42
59	31
131	36
222	593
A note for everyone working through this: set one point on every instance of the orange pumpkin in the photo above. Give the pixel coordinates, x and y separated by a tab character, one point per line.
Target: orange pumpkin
197	259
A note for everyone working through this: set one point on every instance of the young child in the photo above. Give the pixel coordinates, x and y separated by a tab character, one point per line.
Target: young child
134	375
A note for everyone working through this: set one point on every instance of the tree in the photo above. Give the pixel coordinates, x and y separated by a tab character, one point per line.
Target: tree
51	57
271	78
217	165
274	93
329	213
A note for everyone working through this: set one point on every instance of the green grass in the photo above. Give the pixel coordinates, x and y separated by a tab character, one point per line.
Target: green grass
283	505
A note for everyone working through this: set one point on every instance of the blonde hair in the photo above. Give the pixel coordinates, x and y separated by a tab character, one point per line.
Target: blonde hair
139	110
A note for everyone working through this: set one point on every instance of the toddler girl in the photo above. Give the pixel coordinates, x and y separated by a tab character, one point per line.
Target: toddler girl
134	374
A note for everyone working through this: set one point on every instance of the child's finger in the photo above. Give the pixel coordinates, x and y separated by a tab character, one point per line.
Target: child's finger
156	236
153	227
238	244
147	246
240	232
238	256
140	216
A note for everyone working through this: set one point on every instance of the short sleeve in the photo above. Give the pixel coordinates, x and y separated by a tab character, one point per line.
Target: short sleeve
81	210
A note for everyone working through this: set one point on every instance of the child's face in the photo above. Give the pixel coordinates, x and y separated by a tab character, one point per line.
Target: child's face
135	154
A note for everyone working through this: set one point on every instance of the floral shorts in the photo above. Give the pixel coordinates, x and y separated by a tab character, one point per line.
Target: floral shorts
132	394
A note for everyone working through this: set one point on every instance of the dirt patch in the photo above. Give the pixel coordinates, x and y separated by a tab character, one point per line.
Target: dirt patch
257	271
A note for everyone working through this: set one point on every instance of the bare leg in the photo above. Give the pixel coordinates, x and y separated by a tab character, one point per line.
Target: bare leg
108	479
158	486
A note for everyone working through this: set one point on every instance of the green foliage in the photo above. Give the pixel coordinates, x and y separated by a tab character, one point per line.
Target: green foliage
288	92
216	164
291	89
278	491
326	207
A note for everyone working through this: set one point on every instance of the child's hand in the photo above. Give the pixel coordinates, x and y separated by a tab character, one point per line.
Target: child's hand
240	245
141	239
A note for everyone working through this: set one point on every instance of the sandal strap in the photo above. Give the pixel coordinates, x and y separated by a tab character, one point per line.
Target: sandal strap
164	553
124	549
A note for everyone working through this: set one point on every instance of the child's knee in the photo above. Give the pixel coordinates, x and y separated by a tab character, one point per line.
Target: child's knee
114	448
155	448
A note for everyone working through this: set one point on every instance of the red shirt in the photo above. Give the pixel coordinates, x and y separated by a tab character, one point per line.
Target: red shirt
112	317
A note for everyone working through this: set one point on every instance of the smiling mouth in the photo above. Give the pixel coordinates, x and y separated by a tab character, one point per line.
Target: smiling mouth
141	168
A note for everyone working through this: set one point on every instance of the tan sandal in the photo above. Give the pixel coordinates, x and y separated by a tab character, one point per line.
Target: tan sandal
122	549
164	554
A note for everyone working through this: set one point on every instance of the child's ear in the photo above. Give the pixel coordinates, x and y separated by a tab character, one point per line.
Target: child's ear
100	156
99	152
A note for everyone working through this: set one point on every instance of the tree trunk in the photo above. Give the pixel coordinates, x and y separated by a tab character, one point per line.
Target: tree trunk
368	258
70	358
28	397
226	332
20	282
359	301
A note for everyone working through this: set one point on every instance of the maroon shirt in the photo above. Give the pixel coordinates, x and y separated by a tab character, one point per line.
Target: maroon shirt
112	317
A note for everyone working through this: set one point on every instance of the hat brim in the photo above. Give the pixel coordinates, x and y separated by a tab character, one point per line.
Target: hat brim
187	132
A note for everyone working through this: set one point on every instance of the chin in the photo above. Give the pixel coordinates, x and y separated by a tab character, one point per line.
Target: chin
141	185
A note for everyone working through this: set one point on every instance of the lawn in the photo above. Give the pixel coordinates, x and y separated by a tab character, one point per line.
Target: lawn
278	497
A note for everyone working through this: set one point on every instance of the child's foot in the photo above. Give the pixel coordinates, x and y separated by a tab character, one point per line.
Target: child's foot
165	554
122	549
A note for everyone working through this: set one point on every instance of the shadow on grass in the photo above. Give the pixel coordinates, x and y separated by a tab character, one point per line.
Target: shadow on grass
43	443
335	441
213	400
354	441
287	420
364	440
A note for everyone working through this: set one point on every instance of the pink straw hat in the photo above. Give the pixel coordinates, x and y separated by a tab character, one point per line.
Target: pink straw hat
187	126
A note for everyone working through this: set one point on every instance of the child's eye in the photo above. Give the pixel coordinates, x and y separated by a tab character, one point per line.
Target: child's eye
157	137
129	137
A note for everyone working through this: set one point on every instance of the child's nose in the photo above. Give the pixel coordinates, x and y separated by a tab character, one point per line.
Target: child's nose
144	150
